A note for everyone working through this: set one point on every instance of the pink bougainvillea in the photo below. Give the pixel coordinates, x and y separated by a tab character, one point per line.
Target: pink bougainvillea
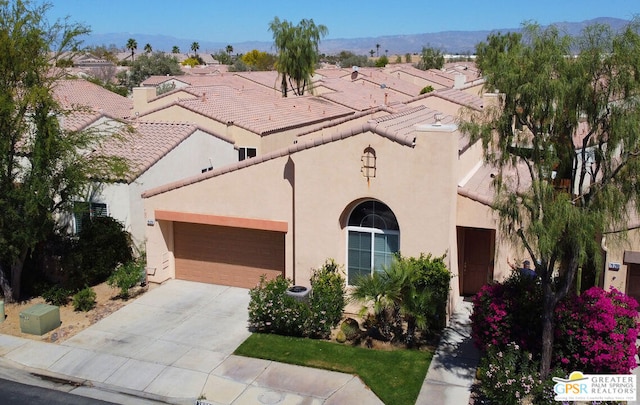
596	332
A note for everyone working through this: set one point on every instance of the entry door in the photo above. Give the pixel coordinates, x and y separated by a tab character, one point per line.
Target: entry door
633	280
475	258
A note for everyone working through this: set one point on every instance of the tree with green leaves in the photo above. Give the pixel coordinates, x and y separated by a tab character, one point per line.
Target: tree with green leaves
195	47
377	49
297	52
382	61
156	64
132	45
148	49
43	167
258	61
175	49
430	58
372	52
229	50
564	139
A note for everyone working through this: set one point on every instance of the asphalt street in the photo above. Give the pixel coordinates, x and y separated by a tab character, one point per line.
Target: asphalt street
15	393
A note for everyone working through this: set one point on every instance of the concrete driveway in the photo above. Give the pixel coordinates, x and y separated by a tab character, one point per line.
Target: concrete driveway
174	344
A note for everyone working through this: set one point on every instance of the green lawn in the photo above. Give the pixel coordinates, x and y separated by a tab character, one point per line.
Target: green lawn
395	376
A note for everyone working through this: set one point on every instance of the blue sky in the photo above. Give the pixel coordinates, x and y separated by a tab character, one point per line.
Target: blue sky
233	21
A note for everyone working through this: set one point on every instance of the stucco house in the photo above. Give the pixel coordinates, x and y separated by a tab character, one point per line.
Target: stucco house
358	196
157	152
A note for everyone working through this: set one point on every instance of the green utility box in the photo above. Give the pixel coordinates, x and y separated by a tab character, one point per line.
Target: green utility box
39	319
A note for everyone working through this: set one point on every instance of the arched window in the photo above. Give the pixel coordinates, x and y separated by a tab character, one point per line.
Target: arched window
373	237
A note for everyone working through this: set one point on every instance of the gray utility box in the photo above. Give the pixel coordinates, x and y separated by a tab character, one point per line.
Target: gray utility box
39	319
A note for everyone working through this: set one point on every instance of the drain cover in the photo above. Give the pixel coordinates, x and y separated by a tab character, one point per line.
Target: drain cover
270	398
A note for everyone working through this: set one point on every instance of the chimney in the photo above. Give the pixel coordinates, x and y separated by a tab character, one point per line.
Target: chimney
141	97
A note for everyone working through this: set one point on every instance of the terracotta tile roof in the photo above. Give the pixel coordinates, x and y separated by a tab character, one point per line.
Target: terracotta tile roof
398	127
144	143
479	186
158	80
387	80
433	75
334	72
360	94
78	92
251	80
259	111
459	97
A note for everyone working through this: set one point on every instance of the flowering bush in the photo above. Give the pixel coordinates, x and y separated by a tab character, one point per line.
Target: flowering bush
508	375
508	312
271	310
596	332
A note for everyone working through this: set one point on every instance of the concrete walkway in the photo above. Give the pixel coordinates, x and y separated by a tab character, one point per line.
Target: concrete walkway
174	344
453	368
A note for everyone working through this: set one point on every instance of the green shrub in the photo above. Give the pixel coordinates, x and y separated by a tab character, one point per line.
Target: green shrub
84	300
427	89
408	296
350	328
126	276
102	245
56	295
327	300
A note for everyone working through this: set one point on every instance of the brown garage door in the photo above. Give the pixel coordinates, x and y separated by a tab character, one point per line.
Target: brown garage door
227	255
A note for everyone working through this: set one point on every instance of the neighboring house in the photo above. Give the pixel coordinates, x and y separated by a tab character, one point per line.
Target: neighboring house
157	152
254	118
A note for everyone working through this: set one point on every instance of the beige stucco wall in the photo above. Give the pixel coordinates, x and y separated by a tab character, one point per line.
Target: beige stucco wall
614	254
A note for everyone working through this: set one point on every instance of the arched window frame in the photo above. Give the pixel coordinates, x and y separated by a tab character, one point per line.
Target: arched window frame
388	239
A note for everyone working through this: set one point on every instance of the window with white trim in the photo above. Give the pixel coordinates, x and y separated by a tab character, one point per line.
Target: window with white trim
246	153
373	238
83	211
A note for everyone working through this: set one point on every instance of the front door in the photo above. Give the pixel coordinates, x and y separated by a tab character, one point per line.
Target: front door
475	258
633	280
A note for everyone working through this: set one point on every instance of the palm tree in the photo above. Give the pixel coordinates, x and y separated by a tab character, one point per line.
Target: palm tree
229	50
377	49
132	45
398	294
148	49
175	49
194	47
371	52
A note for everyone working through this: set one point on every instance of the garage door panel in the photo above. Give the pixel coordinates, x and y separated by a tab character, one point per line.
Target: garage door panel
225	255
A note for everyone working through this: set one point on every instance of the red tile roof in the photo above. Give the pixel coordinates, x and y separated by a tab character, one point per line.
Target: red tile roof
257	110
144	143
78	92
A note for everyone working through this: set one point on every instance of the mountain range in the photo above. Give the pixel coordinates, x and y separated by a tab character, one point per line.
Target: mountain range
451	42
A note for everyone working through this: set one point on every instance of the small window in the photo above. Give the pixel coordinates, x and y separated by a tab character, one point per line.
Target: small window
246	153
85	210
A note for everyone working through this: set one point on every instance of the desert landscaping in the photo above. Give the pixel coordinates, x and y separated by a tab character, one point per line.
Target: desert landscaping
72	322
